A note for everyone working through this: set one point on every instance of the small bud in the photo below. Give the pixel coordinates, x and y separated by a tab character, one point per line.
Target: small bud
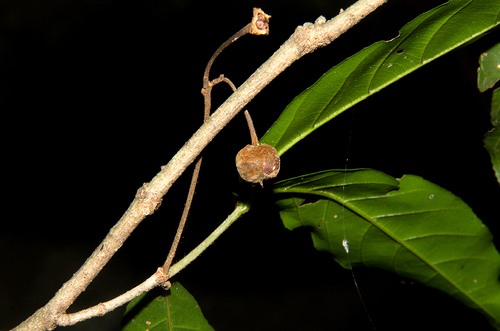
255	163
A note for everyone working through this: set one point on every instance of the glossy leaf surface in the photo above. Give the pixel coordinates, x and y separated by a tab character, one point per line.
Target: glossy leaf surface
488	74
489	68
175	309
424	39
408	226
492	144
495	107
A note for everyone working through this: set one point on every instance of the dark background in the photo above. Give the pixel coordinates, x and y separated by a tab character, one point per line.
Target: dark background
97	95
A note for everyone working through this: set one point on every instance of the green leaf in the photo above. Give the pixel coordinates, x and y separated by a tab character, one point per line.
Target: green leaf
424	39
175	309
408	226
492	138
495	107
492	144
488	74
489	68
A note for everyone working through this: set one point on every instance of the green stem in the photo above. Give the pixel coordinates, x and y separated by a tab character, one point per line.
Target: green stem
241	208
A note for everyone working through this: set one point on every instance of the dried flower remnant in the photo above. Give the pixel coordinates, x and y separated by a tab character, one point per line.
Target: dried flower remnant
260	22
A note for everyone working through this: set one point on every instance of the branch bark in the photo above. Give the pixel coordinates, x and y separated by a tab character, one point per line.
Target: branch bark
304	40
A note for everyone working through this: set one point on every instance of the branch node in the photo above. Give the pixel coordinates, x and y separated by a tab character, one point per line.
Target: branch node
101	309
161	278
148	200
320	20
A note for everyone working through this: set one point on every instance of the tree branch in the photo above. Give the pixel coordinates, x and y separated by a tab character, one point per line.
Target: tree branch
304	40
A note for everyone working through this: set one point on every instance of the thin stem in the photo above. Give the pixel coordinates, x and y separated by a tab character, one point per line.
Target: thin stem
221	79
240	209
242	32
105	307
253	134
185	213
207	84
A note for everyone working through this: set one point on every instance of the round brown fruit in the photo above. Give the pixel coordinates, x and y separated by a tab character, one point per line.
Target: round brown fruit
256	163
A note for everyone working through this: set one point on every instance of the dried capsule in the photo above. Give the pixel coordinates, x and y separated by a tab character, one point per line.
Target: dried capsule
256	163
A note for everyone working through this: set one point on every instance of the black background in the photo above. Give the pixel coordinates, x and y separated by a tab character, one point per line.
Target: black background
97	95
